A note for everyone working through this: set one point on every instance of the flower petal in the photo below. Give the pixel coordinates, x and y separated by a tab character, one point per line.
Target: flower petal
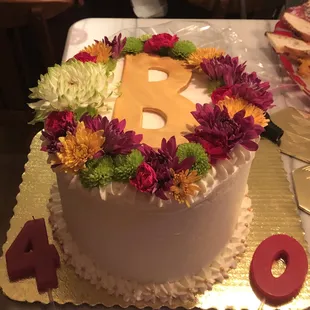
250	145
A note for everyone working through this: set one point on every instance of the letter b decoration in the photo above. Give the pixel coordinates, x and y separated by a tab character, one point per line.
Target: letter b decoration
138	95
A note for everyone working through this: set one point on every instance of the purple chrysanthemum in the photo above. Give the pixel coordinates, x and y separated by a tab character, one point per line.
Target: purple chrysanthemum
117	141
117	45
253	90
218	133
50	143
250	78
162	161
224	69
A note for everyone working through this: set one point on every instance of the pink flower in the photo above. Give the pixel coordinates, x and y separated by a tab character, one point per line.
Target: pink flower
145	180
218	133
219	94
56	125
85	57
160	41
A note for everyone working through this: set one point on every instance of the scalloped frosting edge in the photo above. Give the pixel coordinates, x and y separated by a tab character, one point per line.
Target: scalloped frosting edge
220	172
185	289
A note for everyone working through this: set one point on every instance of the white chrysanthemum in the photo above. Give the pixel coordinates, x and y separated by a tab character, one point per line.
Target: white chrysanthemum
74	85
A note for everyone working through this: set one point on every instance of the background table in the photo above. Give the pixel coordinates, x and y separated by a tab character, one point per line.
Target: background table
251	32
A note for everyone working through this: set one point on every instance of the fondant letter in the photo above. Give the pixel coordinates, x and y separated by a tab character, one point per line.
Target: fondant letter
138	95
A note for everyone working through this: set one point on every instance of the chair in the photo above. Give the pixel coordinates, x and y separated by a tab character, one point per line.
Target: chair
15	17
266	9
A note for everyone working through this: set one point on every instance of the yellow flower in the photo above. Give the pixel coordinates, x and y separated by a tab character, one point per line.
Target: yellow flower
235	105
183	185
77	149
304	68
101	50
195	59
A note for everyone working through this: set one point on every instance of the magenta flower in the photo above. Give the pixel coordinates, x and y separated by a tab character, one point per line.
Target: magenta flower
159	42
117	45
218	133
145	179
85	57
219	94
117	141
253	91
162	161
56	125
224	69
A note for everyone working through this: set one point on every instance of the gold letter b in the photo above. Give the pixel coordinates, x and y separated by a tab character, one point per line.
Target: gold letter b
138	95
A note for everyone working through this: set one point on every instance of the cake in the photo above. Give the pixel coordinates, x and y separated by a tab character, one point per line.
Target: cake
161	215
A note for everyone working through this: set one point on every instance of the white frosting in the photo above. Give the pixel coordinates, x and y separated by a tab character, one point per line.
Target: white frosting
185	288
124	233
207	184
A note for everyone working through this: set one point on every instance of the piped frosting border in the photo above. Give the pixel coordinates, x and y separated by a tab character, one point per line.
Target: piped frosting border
185	289
217	173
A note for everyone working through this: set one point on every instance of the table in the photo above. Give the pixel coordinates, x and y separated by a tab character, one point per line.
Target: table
251	32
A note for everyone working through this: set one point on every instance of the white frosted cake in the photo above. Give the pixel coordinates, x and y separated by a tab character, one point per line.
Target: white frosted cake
161	214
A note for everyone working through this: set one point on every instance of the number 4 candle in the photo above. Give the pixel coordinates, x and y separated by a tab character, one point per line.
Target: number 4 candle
30	255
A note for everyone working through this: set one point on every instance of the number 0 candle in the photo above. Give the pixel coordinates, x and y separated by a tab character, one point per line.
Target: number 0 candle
278	290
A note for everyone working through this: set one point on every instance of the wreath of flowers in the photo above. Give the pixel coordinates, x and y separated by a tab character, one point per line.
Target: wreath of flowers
80	141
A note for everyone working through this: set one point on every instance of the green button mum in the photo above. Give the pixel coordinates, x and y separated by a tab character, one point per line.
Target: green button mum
195	150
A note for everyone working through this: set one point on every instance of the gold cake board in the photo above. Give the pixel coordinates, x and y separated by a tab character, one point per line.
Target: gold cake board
274	212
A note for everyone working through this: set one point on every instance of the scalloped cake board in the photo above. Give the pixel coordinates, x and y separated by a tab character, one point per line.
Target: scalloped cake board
271	201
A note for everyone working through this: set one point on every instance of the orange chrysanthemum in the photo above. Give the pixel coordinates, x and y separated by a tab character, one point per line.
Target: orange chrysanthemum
195	59
77	149
235	105
304	68
184	185
100	50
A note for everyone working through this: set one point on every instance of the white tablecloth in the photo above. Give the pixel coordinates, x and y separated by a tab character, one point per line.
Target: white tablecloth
251	32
